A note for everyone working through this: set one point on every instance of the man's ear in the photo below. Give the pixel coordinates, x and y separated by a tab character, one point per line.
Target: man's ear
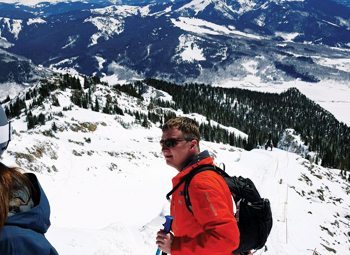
194	144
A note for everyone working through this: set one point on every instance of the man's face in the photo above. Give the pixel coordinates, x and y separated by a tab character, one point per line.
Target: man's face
176	150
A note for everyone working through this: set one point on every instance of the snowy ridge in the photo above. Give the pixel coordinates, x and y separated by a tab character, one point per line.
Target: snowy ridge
10	89
246	5
291	141
100	61
119	74
18	69
188	50
4	43
196	5
288	37
152	93
202	119
107	27
117	10
157	13
71	41
344	22
200	26
341	64
110	21
65	61
35	21
108	173
14	26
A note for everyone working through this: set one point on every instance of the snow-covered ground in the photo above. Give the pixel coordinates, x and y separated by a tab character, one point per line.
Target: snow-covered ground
9	89
106	181
200	26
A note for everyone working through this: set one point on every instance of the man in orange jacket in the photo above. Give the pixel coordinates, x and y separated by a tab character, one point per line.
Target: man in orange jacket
211	228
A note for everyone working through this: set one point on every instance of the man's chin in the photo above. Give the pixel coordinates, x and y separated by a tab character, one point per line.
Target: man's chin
169	162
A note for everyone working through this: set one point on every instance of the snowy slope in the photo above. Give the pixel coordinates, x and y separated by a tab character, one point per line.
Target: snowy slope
106	181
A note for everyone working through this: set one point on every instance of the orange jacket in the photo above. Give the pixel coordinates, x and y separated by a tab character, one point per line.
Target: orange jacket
212	228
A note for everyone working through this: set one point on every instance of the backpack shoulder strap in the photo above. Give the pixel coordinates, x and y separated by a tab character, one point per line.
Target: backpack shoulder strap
195	171
175	188
187	179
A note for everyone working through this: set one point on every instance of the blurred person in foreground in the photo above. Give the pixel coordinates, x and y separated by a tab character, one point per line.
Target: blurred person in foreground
24	208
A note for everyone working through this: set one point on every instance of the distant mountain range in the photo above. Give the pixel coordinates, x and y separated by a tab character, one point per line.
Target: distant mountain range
19	69
201	40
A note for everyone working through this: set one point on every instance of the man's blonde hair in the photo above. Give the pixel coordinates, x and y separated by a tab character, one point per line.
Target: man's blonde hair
187	126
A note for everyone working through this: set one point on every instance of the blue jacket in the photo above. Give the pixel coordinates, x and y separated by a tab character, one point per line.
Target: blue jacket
23	233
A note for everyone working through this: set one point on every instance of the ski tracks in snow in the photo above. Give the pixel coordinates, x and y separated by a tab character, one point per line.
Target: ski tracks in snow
281	198
273	184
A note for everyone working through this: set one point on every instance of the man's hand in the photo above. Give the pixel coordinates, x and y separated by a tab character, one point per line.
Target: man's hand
164	241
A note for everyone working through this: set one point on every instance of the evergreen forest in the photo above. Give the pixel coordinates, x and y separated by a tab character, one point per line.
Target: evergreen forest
261	115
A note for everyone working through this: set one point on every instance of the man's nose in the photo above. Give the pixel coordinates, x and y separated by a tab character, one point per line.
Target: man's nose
164	148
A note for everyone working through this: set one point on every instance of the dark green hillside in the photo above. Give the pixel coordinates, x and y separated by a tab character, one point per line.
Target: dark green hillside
259	114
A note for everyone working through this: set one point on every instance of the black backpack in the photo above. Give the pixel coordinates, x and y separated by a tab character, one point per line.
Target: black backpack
254	217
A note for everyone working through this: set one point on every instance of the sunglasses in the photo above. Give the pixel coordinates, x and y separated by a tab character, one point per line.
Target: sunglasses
171	142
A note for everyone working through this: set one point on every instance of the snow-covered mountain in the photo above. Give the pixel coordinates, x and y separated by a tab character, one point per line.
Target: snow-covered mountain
104	173
17	72
202	40
106	179
18	69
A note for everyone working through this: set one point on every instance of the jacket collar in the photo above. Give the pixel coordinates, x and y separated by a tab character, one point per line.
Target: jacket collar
196	159
202	158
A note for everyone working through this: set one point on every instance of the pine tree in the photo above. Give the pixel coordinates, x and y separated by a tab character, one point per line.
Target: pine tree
55	101
97	106
106	108
7	111
85	101
54	127
145	122
86	83
118	110
8	99
41	119
76	97
95	80
31	120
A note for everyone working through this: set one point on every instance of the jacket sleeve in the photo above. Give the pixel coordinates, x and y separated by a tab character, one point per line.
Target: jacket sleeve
212	208
6	247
